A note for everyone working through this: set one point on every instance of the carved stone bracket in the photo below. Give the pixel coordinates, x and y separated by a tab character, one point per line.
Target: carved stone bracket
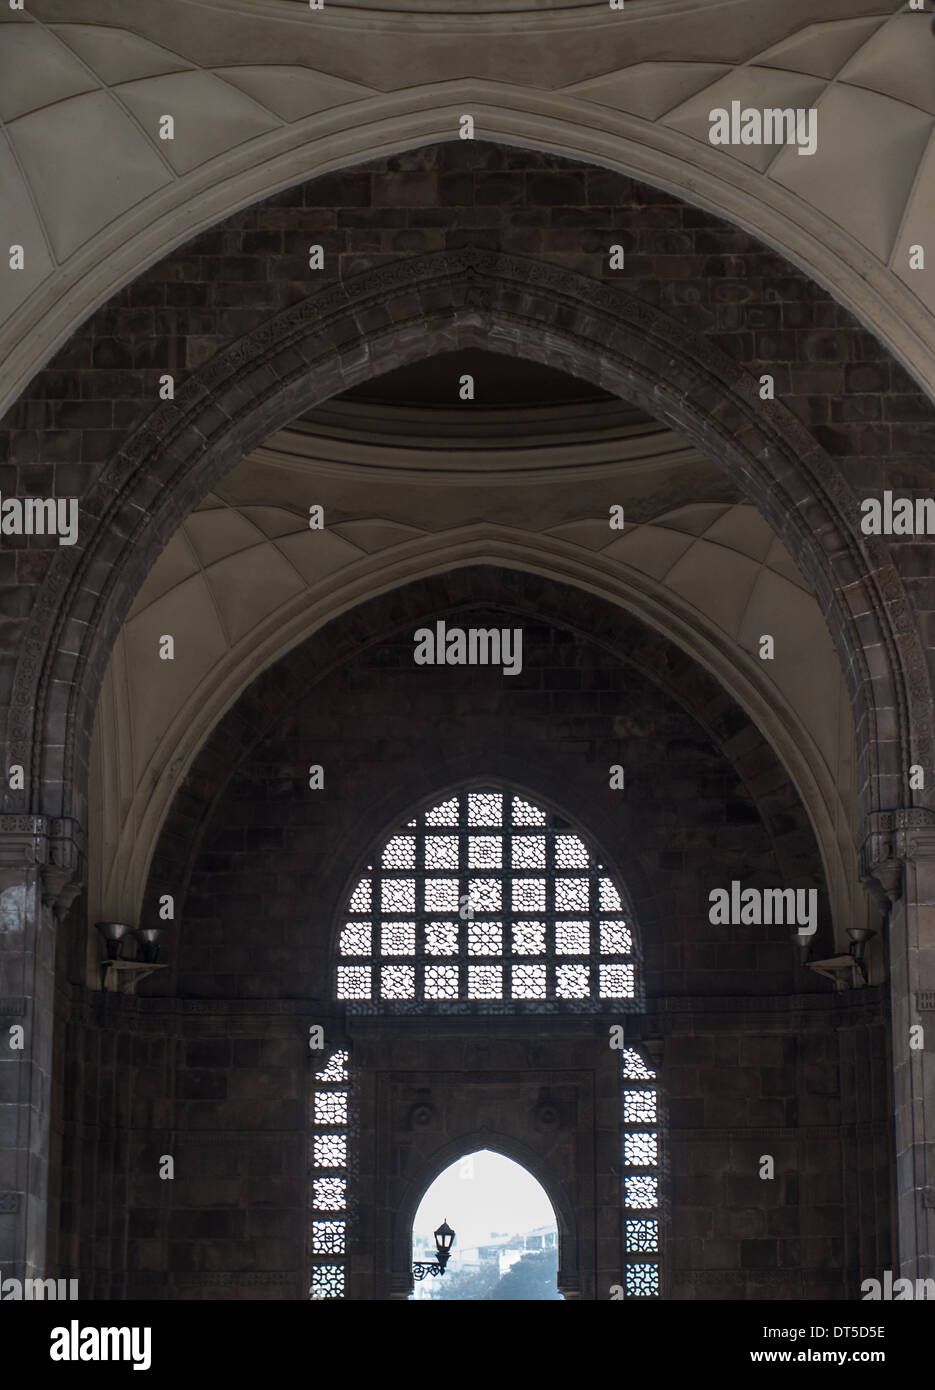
55	847
123	976
894	839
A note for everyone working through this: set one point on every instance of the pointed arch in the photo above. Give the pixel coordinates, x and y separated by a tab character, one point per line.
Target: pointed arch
485	901
418	1183
403	313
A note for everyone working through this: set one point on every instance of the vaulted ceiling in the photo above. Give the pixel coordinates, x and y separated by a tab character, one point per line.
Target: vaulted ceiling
266	92
412	486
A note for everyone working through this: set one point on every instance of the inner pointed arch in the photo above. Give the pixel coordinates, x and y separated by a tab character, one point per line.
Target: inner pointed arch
506	1242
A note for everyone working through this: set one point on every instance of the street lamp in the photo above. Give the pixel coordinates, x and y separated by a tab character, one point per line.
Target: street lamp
444	1240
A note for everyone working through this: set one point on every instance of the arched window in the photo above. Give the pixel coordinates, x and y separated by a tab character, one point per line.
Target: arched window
489	903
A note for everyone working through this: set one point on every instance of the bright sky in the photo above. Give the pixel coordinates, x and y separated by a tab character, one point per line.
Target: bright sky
480	1194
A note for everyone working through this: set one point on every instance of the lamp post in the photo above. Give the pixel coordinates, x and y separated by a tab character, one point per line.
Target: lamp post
444	1240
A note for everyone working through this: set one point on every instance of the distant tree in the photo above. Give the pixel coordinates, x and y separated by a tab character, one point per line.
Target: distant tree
466	1284
531	1279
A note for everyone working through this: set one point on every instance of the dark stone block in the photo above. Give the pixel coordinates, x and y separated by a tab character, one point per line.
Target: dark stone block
555	190
760	1254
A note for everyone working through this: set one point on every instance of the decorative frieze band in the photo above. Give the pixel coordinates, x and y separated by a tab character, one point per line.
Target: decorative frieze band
215	1279
300	1008
735	1277
858	1130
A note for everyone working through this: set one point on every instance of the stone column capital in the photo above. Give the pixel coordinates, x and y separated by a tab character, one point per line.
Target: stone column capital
55	847
893	840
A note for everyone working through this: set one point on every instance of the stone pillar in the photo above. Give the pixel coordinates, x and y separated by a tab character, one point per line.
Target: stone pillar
900	854
39	867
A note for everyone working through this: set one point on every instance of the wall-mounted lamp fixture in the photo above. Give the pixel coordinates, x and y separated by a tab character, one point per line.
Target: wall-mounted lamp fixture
114	934
846	971
859	938
121	971
149	939
802	944
444	1240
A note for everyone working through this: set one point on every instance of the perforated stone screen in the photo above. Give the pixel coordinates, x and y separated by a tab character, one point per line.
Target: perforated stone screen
329	1169
641	1177
486	902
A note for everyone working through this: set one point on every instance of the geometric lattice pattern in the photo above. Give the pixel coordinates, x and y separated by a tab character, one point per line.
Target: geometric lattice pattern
642	1281
641	1178
327	1281
328	1237
484	901
639	1150
642	1236
329	1177
640	1192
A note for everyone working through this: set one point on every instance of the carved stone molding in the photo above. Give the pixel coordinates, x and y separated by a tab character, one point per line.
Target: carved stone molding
24	841
55	847
779	1277
894	839
214	1279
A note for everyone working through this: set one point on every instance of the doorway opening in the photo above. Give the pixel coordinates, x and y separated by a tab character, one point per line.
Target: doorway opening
506	1236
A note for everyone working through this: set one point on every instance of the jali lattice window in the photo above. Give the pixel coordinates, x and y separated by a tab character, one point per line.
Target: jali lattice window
329	1165
489	902
641	1177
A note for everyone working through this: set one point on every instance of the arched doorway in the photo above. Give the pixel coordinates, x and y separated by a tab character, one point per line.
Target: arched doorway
506	1245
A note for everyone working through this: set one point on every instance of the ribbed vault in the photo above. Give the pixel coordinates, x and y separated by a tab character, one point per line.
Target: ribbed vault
272	95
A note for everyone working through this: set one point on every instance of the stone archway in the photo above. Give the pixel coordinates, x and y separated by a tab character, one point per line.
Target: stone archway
522	1153
525	595
397	315
487	71
392	316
